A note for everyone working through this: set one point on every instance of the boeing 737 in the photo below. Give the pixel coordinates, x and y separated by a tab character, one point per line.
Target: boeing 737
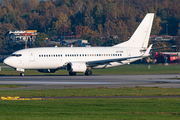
83	59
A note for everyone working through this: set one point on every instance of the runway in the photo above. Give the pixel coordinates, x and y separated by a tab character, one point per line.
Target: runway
109	81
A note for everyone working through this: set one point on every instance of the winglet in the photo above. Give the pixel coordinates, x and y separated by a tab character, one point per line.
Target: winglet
148	51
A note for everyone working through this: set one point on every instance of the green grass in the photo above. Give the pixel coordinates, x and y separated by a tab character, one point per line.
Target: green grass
91	109
94	109
124	69
92	92
2	64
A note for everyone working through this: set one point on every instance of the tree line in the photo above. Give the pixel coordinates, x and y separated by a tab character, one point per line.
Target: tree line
94	20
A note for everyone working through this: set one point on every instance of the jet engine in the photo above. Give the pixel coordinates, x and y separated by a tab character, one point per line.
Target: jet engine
76	67
47	70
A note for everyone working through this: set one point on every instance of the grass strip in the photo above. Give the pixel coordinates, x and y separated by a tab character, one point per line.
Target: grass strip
102	91
124	69
77	109
2	64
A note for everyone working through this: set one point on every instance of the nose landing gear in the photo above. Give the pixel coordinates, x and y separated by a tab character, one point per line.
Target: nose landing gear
22	74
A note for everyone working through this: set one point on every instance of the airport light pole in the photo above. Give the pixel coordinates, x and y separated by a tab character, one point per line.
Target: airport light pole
166	29
26	41
64	31
48	32
71	34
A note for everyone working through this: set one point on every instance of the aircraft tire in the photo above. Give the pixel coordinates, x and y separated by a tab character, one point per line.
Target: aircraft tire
88	72
72	73
22	74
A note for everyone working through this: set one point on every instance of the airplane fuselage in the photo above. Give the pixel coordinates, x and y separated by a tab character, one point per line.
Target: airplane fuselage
58	57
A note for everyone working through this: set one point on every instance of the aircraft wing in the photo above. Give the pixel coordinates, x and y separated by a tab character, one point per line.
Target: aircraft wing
102	62
108	61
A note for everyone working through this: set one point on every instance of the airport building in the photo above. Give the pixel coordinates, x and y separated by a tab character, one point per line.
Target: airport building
21	36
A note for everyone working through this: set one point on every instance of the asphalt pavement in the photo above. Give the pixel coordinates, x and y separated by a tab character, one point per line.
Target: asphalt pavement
109	81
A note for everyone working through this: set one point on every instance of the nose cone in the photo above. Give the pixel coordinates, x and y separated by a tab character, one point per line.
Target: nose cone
8	61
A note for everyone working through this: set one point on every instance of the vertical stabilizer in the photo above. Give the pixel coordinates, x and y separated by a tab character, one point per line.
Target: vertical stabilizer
140	38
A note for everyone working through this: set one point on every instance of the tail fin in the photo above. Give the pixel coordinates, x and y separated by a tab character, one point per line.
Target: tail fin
140	38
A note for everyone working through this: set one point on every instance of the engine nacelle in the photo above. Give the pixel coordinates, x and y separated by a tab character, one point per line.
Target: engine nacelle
47	70
76	67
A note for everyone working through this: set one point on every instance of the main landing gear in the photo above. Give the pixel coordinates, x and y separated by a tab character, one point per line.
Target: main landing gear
22	74
88	72
72	73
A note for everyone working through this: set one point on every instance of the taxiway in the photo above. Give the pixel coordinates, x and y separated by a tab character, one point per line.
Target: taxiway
109	81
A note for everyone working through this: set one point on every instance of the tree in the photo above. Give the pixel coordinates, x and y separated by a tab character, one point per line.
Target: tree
40	40
156	28
62	20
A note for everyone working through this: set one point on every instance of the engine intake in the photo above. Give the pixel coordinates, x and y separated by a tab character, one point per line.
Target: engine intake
76	67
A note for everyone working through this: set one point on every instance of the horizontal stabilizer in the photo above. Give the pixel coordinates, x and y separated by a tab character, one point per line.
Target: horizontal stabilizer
147	53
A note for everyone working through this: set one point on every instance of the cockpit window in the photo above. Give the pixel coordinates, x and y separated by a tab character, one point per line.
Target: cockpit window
13	55
17	55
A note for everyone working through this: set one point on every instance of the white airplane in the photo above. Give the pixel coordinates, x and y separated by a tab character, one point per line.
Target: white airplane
82	59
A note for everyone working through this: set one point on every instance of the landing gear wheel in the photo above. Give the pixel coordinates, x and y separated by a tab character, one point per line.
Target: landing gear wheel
88	72
72	73
22	74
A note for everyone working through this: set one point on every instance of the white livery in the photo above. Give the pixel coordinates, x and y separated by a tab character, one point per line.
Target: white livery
82	59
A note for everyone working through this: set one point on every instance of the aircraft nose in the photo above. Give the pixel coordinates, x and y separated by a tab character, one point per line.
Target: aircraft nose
7	61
